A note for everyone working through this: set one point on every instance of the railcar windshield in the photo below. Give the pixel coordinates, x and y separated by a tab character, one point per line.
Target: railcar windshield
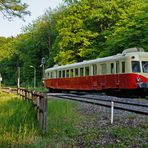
145	66
136	66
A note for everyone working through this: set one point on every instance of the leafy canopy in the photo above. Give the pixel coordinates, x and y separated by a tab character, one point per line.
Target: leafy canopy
76	31
13	8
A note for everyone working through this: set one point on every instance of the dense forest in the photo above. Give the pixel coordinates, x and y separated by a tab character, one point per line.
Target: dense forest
75	31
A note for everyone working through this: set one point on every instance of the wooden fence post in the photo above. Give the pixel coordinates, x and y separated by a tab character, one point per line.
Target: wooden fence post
44	121
38	107
42	112
40	103
25	94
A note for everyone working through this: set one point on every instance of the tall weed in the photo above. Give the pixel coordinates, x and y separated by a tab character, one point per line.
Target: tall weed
18	125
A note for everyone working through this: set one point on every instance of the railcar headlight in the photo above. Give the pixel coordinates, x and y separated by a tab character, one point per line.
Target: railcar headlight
138	79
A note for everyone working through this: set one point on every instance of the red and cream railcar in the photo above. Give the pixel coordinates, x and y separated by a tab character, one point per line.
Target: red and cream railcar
126	72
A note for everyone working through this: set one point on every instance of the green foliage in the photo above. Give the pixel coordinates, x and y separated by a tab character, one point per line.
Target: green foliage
6	47
131	30
69	125
76	31
27	49
8	60
125	135
18	125
62	119
89	29
75	39
13	8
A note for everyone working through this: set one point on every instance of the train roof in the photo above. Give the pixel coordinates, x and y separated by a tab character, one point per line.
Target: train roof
126	53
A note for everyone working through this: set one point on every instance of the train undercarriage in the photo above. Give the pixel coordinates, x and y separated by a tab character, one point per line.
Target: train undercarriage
133	93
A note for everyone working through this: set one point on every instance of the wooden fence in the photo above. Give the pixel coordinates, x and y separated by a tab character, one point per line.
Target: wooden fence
8	90
39	101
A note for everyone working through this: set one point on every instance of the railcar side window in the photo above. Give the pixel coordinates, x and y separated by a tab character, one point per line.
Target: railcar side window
103	68
135	66
94	70
117	67
55	74
76	72
81	72
60	75
63	73
51	75
123	67
67	73
145	66
71	72
112	67
86	71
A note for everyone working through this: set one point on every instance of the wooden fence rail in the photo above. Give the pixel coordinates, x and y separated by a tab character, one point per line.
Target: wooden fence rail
8	90
39	101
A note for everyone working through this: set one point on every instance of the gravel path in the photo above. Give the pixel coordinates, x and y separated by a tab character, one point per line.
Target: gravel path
96	131
128	129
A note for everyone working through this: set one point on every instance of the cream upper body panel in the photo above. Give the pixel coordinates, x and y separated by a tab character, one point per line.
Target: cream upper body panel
120	63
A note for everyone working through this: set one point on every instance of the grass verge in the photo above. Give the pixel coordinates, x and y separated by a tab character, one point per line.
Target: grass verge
18	126
62	120
69	125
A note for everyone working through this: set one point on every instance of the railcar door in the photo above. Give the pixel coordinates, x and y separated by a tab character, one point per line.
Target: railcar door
56	80
111	78
117	73
94	79
103	68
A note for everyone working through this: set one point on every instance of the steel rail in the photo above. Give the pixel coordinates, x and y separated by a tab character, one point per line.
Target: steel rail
96	102
117	101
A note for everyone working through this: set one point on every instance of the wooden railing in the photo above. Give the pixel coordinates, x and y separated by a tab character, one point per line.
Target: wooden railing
8	90
39	101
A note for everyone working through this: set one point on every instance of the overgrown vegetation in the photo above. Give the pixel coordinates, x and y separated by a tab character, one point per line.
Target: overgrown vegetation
18	125
76	31
95	130
69	125
15	8
62	121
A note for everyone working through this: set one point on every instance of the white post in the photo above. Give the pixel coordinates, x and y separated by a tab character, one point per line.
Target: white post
34	79
112	112
0	80
18	78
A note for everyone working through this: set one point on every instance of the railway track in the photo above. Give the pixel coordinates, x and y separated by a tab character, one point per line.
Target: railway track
139	107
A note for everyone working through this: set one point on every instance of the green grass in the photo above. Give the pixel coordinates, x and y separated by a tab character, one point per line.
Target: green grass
62	120
38	89
19	127
67	126
17	122
126	136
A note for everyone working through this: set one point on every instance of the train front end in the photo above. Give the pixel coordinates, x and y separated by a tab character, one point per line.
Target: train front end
142	80
140	68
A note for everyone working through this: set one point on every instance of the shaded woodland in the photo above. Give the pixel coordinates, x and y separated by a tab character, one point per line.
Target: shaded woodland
75	31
